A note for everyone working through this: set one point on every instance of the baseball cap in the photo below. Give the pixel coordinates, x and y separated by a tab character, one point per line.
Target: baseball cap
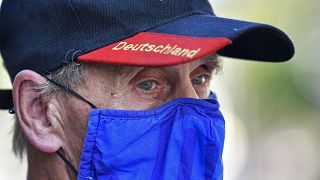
44	35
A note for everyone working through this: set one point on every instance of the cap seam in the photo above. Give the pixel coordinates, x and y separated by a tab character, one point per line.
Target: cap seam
79	23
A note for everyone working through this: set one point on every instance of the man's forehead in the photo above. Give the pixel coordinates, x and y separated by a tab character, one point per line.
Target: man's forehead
127	71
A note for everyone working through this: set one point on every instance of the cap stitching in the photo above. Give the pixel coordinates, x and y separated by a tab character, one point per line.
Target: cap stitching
79	22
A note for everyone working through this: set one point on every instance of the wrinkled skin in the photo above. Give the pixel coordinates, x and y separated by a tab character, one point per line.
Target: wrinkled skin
60	121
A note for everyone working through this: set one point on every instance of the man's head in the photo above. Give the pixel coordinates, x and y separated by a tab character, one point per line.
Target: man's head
44	35
51	118
67	57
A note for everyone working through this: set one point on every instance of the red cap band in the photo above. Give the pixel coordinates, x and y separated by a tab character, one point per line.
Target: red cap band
155	49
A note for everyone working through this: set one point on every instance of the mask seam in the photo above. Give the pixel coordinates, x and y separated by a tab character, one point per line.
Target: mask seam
95	137
94	145
154	113
136	118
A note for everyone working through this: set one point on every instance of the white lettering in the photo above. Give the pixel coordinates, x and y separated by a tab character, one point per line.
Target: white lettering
157	49
150	48
174	50
193	53
128	47
121	44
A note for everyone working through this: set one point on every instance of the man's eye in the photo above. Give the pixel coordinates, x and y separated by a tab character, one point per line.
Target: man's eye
202	79
148	85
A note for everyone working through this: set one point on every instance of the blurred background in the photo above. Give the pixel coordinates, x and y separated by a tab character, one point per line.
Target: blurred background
272	111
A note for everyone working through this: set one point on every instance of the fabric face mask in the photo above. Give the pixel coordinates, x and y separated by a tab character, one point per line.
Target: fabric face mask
182	139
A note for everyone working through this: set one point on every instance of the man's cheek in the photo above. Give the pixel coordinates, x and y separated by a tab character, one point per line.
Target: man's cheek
135	102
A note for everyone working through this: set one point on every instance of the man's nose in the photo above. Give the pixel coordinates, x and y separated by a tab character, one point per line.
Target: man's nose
185	89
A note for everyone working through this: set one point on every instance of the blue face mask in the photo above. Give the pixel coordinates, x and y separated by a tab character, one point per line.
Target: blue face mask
182	139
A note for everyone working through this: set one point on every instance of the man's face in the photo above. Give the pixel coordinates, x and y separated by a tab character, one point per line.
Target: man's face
131	88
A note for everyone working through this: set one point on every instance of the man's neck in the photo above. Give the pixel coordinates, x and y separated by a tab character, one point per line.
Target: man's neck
45	166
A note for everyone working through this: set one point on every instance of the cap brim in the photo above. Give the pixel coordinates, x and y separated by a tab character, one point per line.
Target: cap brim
194	37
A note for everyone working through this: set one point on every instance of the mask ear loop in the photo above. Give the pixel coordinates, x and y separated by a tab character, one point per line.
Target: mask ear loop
68	163
72	92
213	95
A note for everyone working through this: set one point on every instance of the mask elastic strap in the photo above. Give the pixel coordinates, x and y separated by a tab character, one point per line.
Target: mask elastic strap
72	92
212	95
68	163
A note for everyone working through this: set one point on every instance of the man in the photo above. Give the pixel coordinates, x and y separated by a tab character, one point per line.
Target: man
119	89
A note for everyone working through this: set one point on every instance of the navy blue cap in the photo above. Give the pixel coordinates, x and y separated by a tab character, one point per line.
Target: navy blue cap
45	35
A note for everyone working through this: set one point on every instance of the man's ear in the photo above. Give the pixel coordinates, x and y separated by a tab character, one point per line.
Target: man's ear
38	119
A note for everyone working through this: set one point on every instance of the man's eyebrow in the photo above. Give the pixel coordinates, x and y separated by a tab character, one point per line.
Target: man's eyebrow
126	72
212	63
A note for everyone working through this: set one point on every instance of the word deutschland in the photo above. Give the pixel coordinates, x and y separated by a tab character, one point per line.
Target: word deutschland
170	50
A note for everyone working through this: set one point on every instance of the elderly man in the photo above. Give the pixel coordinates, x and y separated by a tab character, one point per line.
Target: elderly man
119	89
